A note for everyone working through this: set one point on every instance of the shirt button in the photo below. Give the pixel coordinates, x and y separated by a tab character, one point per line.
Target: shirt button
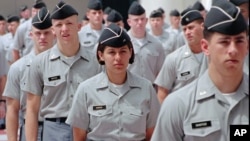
121	113
71	96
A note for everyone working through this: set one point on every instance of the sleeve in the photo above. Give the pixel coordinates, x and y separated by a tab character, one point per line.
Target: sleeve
12	88
19	37
167	74
34	78
170	120
161	58
78	114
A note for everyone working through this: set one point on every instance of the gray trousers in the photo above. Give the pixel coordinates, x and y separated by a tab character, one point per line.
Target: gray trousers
22	133
57	131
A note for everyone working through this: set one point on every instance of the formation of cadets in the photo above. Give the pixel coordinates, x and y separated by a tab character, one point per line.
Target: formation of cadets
186	80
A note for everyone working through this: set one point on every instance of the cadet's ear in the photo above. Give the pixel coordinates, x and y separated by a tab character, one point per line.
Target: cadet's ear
204	46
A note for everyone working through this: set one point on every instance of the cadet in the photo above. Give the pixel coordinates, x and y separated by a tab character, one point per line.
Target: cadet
2	25
244	8
7	39
106	12
24	13
115	104
85	20
149	53
174	18
55	75
165	24
205	109
167	39
187	62
199	6
90	33
43	38
23	44
115	17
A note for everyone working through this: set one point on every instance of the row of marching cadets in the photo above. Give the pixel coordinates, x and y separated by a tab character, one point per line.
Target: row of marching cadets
102	82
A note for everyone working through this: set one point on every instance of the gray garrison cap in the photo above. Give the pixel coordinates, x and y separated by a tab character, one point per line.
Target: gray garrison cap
198	6
189	15
114	36
224	17
62	11
136	9
13	19
174	13
39	4
156	14
95	4
114	16
42	19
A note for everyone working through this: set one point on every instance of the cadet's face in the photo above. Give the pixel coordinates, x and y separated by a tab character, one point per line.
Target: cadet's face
175	21
12	27
193	33
95	16
116	59
2	26
43	39
156	23
66	29
244	8
137	23
226	53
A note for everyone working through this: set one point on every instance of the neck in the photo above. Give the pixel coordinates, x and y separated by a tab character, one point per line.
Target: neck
157	32
195	48
117	78
138	35
96	27
70	48
224	82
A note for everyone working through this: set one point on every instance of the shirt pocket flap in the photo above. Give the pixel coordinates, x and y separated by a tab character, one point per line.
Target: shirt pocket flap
101	111
134	111
201	128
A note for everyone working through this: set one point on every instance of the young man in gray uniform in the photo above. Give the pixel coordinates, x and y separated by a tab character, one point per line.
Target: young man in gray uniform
115	17
205	109
187	62
90	33
55	75
23	44
43	38
167	39
149	53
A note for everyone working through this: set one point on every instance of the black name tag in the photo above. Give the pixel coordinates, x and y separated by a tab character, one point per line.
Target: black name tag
53	78
87	42
201	124
185	73
99	107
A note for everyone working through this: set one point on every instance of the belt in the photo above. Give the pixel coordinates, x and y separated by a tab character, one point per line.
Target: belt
61	120
39	122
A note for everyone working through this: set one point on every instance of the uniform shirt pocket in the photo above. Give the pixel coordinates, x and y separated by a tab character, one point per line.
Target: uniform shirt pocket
135	119
54	83
185	75
203	129
99	115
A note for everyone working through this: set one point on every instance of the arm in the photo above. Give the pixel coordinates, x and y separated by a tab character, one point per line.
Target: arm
162	93
31	125
149	132
12	123
79	134
15	54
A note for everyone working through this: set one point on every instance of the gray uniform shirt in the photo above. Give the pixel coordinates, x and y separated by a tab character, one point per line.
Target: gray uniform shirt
89	38
16	81
3	62
111	116
199	112
168	41
22	39
149	57
180	68
56	79
7	45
